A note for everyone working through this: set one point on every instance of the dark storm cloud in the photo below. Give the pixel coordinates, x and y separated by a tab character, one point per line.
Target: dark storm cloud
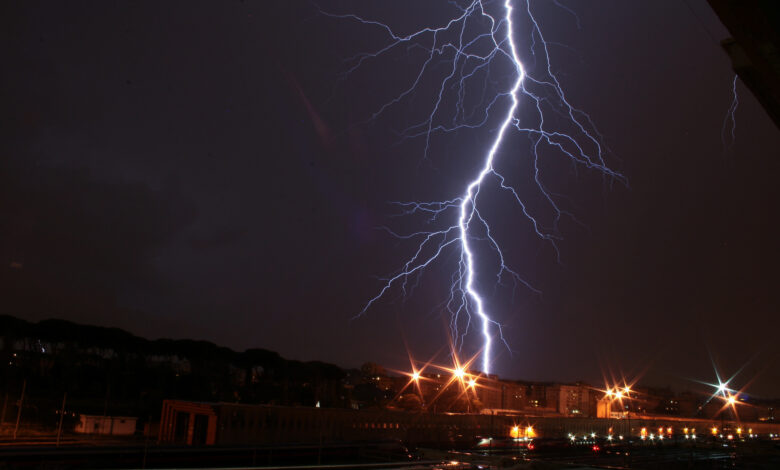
72	244
197	169
220	238
64	220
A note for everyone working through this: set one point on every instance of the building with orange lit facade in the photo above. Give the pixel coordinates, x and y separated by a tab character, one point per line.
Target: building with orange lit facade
439	392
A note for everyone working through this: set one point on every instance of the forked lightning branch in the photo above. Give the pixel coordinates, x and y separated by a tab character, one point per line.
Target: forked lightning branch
477	42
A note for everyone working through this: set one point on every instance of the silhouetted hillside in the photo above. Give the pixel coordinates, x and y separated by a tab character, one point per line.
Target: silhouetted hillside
108	370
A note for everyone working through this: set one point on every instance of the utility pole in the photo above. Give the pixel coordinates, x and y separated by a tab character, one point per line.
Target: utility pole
5	403
146	444
62	415
628	415
19	410
105	411
105	403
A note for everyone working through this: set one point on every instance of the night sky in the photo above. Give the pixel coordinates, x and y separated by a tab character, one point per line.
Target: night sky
197	170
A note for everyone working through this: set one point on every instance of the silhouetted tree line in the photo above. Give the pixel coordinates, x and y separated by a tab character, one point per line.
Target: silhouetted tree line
110	371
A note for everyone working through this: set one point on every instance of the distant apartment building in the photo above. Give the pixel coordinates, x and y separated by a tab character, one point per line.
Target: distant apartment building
536	395
688	403
513	396
572	400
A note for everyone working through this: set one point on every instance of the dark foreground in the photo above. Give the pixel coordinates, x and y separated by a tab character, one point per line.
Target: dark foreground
757	455
553	454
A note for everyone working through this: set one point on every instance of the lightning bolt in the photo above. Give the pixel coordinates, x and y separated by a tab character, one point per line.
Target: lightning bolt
473	42
731	116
